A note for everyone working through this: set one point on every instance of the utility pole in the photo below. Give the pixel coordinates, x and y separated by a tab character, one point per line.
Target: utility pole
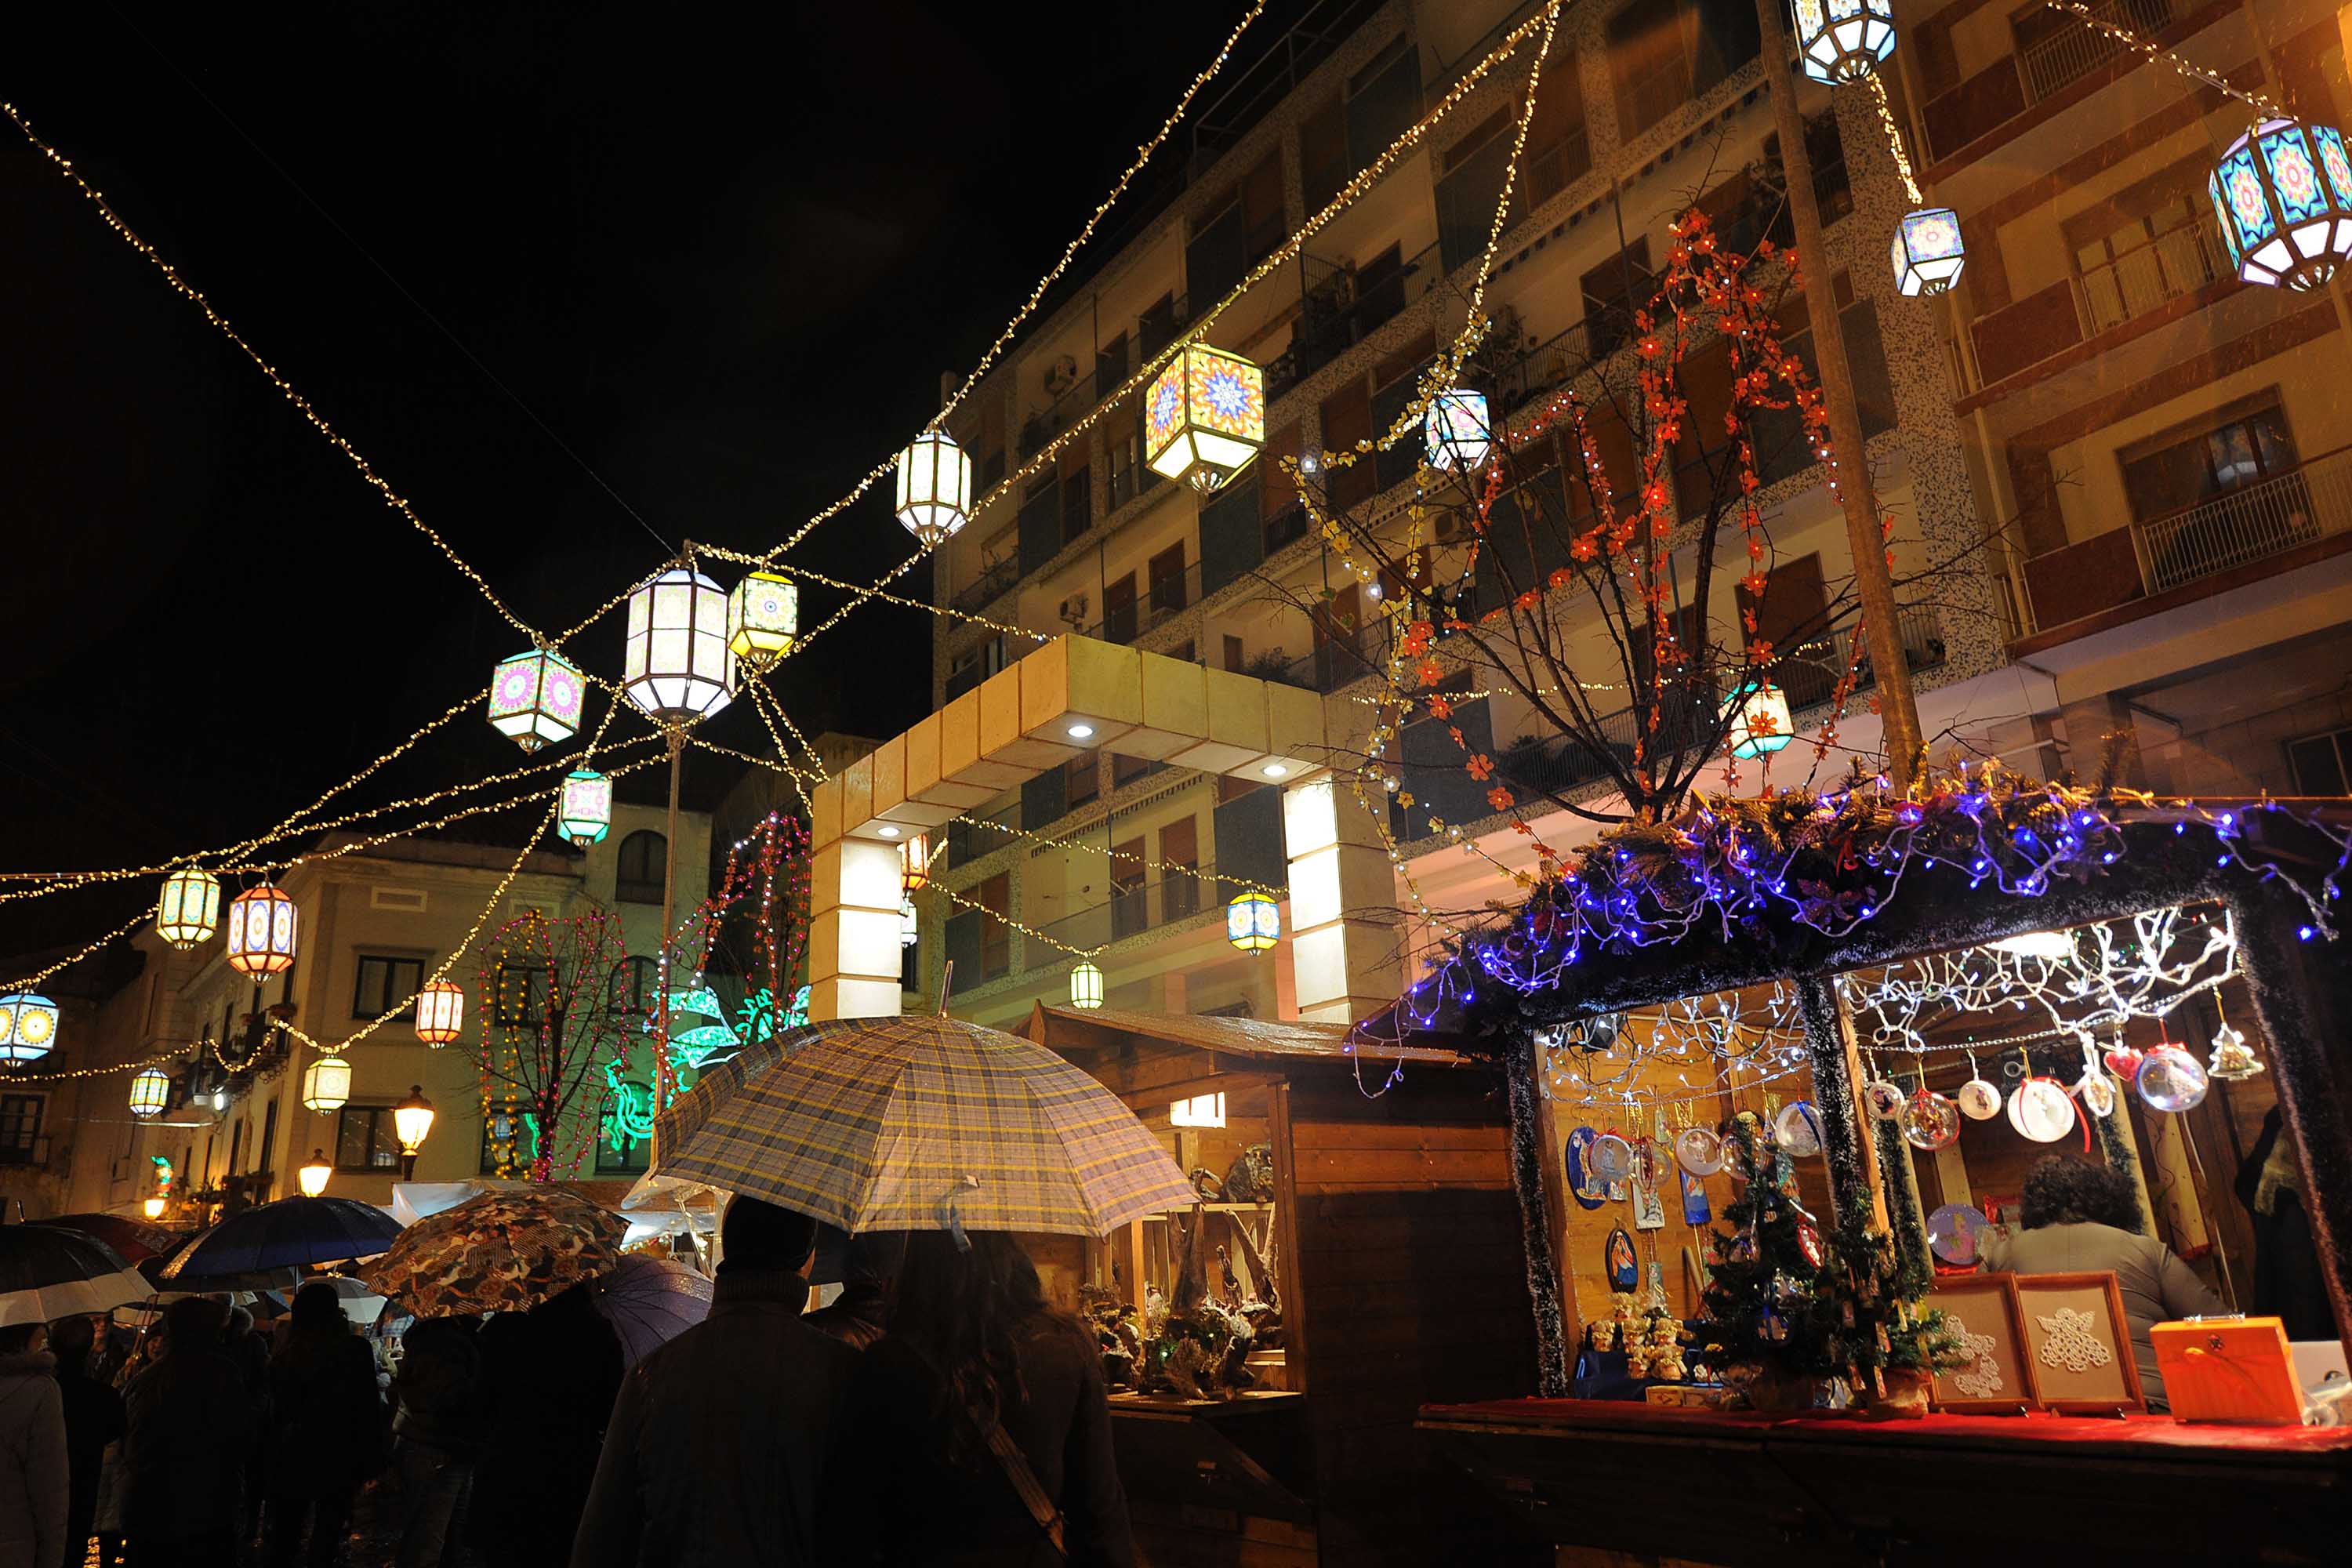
1898	710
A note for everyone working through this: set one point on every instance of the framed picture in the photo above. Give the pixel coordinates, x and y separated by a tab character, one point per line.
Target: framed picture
2079	1344
1997	1378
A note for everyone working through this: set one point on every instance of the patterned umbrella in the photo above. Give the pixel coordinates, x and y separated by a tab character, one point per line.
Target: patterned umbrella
287	1233
504	1251
650	1301
48	1272
914	1123
136	1239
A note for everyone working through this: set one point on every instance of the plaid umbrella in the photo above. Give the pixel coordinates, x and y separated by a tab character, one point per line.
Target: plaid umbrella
504	1251
877	1123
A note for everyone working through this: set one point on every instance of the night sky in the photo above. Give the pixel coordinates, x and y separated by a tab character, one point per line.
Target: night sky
723	253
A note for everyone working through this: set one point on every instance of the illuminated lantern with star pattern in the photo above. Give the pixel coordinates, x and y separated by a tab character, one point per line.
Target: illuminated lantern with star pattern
2282	195
1204	417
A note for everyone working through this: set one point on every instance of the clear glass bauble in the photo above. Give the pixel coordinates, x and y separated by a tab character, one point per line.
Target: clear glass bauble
1979	1102
1699	1151
1797	1129
2039	1110
2169	1079
1930	1121
1611	1157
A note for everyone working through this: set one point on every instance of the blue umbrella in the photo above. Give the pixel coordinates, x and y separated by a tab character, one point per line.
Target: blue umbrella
649	1302
287	1233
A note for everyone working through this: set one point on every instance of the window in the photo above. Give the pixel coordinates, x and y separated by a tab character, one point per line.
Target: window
383	983
510	1139
1664	53
1118	610
1167	585
364	1138
1179	856
521	995
2244	447
2146	246
20	1128
643	873
269	1137
1128	913
632	987
1613	293
2321	762
1081	780
995	936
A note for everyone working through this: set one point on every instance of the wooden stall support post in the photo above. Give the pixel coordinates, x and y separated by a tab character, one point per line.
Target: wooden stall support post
1286	1266
1852	1154
1542	1219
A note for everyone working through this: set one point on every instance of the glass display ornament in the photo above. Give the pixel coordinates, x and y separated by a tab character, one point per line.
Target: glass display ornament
2234	1060
1612	1158
1797	1129
2038	1109
1953	1231
1882	1099
2096	1092
1979	1102
2169	1079
1930	1121
1699	1151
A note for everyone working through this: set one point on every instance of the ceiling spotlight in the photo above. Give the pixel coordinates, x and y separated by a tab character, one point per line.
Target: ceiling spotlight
2043	944
887	830
1081	731
1274	770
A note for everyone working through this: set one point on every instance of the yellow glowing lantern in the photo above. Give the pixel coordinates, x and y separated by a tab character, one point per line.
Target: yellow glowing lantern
934	499
189	910
150	1090
440	1013
764	618
1086	986
261	932
1253	921
313	1176
1204	417
915	864
411	1123
327	1084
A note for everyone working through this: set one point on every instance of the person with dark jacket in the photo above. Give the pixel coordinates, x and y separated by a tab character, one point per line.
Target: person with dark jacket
2075	1216
34	1486
551	1372
248	1351
681	1479
93	1419
188	1423
436	1433
326	1430
862	1311
973	1347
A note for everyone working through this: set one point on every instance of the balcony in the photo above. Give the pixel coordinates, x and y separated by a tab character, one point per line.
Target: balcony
1162	602
2045	68
993	585
2053	63
2174	553
2182	264
1179	895
1257	87
1340	305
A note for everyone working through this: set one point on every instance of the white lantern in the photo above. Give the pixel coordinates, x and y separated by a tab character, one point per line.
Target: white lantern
28	1026
1456	430
1253	921
1204	417
1760	722
1842	40
2283	194
1929	252
536	697
261	932
1085	987
934	498
440	1013
587	813
764	618
327	1084
676	666
188	912
150	1090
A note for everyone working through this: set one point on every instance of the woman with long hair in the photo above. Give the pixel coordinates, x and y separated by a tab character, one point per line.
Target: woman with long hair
977	1430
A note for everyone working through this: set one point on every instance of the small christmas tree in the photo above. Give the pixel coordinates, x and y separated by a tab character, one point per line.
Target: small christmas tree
1877	1327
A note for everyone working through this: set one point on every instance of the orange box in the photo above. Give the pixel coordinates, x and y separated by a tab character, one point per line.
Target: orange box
2229	1369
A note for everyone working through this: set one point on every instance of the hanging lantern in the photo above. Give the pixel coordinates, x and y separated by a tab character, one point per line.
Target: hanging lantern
313	1176
150	1090
1844	40
189	910
28	1026
1253	921
440	1013
1085	987
1204	418
1760	721
587	813
261	932
327	1084
915	864
1457	431
676	666
764	618
1928	251
934	488
910	928
2282	195
536	697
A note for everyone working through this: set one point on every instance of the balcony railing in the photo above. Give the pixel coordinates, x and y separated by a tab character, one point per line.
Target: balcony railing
2179	261
993	585
1159	602
2242	528
1341	306
2077	49
1178	895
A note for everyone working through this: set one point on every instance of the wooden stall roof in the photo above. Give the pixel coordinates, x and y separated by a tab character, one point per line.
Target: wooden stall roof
1262	1040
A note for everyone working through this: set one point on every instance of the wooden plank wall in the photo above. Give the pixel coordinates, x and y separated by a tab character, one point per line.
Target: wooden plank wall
1409	1287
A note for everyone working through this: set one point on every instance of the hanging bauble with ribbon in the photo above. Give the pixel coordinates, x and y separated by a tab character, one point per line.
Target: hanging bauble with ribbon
1930	1121
2169	1079
1699	1151
2039	1110
1882	1099
1797	1129
1979	1100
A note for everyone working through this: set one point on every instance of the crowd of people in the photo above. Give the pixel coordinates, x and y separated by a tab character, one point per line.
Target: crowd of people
938	1412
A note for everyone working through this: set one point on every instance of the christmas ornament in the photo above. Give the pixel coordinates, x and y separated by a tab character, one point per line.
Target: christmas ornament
2124	1061
1930	1121
1624	1271
1797	1129
2098	1093
1979	1102
1612	1158
1883	1099
2234	1060
2170	1079
1699	1151
1953	1231
1695	1206
1808	1242
1589	1194
2039	1110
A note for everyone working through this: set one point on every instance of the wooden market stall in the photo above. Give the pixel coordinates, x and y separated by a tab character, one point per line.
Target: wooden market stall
1386	1226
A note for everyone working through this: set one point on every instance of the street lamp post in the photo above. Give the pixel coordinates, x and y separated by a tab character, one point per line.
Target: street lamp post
411	1120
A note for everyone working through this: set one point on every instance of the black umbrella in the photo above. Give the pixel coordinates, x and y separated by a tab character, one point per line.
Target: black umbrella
287	1233
48	1272
136	1239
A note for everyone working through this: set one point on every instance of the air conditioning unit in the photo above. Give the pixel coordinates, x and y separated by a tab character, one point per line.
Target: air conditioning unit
1062	375
1074	610
1449	526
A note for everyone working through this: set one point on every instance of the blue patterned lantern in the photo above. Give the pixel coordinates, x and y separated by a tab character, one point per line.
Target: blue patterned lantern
1844	40
1253	921
1456	430
2282	195
28	1026
1929	252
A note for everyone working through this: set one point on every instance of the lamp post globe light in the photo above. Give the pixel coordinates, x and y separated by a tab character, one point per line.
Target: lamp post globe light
934	488
536	697
313	1176
261	932
411	1123
187	911
2282	195
676	664
28	1026
1204	417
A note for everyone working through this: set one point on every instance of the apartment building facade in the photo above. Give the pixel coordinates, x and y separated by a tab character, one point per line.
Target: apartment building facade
2066	570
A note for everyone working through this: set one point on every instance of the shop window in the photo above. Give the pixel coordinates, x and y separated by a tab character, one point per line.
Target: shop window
643	870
